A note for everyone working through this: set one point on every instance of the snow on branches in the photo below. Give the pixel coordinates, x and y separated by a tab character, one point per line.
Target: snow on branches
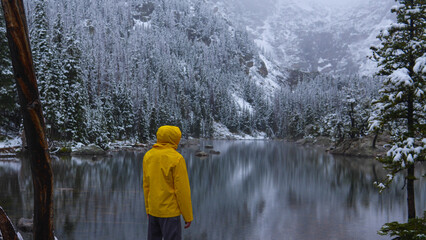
400	156
420	66
401	77
401	107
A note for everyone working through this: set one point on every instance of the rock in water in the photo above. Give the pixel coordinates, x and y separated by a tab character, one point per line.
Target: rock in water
89	150
201	154
25	225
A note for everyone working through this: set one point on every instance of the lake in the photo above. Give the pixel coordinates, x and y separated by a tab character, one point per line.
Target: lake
256	189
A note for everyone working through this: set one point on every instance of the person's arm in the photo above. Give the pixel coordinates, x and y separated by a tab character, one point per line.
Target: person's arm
187	224
145	189
183	192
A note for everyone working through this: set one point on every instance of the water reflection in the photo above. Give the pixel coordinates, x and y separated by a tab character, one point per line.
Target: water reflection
252	190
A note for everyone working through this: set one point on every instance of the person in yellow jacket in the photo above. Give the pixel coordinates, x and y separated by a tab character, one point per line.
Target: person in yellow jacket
166	187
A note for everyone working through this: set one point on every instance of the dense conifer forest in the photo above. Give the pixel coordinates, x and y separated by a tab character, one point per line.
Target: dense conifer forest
111	70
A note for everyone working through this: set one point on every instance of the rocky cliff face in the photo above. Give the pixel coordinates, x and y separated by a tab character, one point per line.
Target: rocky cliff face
312	36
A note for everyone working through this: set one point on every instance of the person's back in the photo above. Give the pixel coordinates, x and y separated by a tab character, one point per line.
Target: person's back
166	185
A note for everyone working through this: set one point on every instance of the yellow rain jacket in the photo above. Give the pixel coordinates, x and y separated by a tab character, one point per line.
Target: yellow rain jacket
165	178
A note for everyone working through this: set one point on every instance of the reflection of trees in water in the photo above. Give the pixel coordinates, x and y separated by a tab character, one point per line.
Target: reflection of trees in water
92	199
9	184
100	199
252	190
254	180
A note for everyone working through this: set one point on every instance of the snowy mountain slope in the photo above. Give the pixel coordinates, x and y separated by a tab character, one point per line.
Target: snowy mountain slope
312	36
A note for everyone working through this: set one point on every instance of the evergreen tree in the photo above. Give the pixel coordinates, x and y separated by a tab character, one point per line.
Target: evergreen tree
153	124
401	105
123	112
40	46
9	112
97	124
106	109
48	74
75	95
142	124
179	56
54	105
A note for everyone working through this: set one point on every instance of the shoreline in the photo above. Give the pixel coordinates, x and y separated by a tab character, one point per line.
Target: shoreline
359	147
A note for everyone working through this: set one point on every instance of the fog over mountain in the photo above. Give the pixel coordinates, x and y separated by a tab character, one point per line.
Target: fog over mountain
327	36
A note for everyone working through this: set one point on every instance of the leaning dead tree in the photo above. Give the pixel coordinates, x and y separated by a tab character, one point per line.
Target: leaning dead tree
7	230
34	126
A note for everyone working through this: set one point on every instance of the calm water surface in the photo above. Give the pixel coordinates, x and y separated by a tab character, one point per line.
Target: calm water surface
252	190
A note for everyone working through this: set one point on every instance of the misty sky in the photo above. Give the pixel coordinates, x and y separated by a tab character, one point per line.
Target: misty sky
337	2
267	6
332	3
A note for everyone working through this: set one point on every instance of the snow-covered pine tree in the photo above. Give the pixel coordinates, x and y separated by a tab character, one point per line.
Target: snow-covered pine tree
47	71
123	112
54	105
9	113
401	105
356	110
142	120
41	49
153	48
97	123
153	124
75	96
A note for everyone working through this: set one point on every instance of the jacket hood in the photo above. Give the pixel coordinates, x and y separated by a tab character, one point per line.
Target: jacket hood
169	135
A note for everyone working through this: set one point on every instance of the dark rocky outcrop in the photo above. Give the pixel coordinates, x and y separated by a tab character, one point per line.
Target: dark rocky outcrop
362	147
297	76
195	35
246	60
143	11
263	71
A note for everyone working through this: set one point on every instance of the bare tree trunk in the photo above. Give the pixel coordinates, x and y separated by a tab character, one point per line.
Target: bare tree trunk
34	126
411	204
6	228
376	134
410	193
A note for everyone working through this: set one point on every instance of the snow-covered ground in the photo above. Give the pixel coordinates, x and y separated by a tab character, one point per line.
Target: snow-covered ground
11	143
222	132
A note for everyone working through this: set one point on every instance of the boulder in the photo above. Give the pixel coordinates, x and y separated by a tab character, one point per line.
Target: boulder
263	71
201	154
214	152
25	224
208	146
91	149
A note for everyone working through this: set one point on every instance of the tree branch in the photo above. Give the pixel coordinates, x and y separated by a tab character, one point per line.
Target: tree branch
6	227
26	82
